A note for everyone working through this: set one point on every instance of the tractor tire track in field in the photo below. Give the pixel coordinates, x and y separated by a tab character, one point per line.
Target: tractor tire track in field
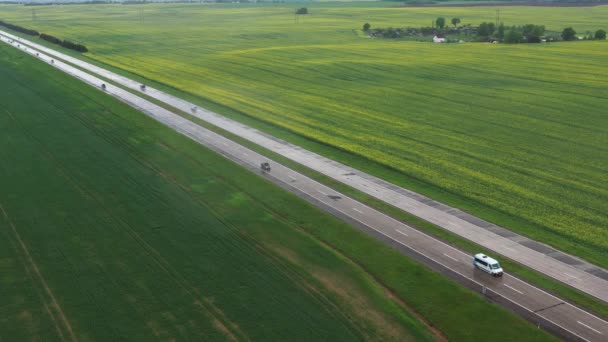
32	278
295	278
54	311
283	265
271	256
154	254
285	261
280	265
33	267
220	320
438	334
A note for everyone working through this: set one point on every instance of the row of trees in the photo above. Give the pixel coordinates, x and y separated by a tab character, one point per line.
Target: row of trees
515	34
391	32
50	38
569	34
74	46
65	43
519	34
19	28
486	32
534	34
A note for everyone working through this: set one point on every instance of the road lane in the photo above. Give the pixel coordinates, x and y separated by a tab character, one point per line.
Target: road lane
535	301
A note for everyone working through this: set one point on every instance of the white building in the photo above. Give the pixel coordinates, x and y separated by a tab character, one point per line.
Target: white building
439	38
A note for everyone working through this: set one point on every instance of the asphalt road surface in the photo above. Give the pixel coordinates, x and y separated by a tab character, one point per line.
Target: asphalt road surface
536	305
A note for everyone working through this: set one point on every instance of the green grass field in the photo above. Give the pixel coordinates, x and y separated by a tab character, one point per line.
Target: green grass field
514	134
113	226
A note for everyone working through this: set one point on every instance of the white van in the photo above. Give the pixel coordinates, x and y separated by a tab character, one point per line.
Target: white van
487	264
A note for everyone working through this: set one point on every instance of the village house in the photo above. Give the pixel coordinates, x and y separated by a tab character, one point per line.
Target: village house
439	38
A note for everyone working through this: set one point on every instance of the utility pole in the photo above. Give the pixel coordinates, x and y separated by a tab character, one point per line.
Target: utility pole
497	16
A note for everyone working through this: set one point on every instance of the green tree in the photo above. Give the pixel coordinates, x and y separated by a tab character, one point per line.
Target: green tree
568	34
600	34
500	33
440	22
486	29
455	21
513	37
391	33
533	32
366	27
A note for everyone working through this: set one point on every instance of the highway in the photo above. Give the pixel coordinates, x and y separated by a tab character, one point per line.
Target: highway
550	312
556	264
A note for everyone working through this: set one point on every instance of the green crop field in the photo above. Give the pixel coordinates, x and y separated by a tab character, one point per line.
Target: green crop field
514	134
112	227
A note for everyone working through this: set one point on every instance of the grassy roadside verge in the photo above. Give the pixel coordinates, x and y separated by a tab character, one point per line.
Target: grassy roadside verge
559	289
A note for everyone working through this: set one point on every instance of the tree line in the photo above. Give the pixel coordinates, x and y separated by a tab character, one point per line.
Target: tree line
529	33
486	31
19	28
65	43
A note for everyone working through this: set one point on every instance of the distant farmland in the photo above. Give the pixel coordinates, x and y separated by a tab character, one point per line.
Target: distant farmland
514	134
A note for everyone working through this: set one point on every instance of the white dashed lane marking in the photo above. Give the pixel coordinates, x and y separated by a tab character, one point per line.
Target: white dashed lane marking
586	326
514	289
401	232
450	257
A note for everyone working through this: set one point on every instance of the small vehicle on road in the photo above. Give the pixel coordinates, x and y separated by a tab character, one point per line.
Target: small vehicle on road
103	86
265	166
487	264
142	87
